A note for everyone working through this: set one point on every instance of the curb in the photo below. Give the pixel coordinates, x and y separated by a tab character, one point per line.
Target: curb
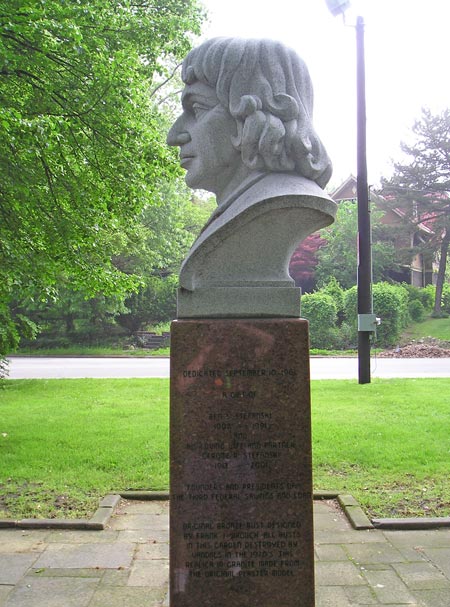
354	512
145	495
399	524
351	508
97	522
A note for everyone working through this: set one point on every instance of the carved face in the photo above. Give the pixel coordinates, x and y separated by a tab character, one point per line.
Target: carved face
203	133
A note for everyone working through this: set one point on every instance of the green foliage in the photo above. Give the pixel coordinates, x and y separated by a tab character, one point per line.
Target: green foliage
338	258
167	226
82	148
351	310
72	318
325	309
160	327
344	337
3	369
336	292
428	297
166	230
154	304
321	312
9	334
383	300
421	185
446	298
11	328
390	303
395	304
423	295
416	310
9	339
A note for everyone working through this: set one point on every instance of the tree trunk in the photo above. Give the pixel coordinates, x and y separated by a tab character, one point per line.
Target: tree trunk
441	272
70	323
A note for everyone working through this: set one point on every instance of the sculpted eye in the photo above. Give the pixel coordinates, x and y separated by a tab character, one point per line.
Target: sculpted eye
198	109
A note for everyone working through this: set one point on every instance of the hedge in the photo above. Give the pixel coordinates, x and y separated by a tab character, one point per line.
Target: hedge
390	303
321	312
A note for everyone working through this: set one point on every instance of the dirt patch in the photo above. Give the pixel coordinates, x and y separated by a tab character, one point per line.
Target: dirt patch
403	502
428	347
34	500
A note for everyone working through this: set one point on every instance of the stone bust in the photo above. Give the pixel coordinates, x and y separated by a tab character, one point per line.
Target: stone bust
246	134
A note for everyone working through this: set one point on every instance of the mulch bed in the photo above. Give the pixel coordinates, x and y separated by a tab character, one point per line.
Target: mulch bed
423	348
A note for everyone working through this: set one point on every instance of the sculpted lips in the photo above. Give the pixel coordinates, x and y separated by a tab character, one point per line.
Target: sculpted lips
185	159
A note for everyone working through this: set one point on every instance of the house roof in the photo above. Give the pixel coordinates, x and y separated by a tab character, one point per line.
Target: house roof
348	191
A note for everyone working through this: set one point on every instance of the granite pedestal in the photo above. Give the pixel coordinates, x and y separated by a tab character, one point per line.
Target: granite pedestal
241	480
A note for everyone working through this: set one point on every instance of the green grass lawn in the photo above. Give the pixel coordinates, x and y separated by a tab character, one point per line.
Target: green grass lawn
65	443
430	327
80	350
387	443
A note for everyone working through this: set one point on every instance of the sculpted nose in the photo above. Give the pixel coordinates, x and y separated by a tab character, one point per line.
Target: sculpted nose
177	134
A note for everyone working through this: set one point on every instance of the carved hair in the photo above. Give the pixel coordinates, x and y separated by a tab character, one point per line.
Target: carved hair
267	88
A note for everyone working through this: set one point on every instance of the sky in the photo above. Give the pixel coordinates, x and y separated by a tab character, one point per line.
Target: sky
407	66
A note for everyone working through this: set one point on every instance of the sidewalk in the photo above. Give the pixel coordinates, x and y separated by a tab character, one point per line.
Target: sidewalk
127	565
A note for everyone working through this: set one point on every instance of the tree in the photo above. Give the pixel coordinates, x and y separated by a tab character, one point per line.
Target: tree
421	186
167	228
81	145
338	257
304	261
73	318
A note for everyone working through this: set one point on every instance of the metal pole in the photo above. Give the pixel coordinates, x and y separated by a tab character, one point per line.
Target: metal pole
364	233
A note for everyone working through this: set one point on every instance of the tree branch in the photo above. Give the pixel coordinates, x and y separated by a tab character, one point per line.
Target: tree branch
165	81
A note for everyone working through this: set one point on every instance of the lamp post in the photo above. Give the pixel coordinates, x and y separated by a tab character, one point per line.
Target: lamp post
366	319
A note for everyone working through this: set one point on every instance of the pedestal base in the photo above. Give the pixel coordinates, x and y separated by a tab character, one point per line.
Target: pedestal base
241	531
239	302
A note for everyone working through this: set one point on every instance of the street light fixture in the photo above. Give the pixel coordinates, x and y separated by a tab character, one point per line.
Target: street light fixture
337	7
366	319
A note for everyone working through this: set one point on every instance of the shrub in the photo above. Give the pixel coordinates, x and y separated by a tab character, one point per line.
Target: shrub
424	295
440	314
427	295
336	292
390	303
321	312
416	310
343	337
155	303
351	311
446	298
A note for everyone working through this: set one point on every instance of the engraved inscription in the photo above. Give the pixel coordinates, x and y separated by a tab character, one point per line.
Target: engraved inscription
244	435
241	501
242	548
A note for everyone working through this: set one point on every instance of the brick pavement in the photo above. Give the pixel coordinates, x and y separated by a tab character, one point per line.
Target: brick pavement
127	565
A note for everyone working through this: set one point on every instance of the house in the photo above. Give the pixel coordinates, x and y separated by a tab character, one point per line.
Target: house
413	267
417	269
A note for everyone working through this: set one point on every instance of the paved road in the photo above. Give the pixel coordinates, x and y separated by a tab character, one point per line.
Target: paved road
321	368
